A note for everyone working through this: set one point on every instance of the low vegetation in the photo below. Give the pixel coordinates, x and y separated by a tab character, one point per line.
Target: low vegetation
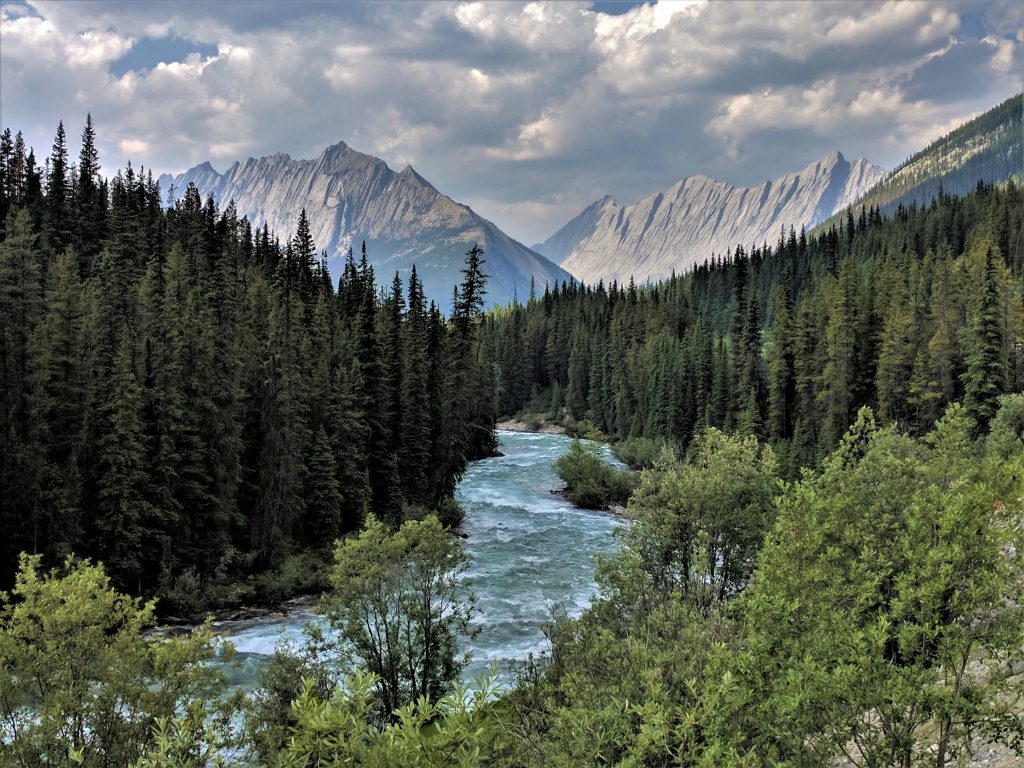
590	481
641	452
81	684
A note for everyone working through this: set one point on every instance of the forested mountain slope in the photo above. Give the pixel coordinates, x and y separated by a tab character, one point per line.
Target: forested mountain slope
352	197
906	313
989	148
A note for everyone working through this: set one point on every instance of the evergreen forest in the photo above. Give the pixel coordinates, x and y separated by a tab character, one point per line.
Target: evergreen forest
786	341
198	405
823	559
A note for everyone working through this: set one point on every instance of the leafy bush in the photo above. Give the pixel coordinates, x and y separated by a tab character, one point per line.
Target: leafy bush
640	452
450	513
82	684
399	605
295	668
425	733
182	594
300	574
583	429
590	482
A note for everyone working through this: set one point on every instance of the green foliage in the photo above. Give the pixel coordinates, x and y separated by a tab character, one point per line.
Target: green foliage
299	574
201	737
451	513
187	595
640	452
1006	437
80	679
702	521
294	670
399	604
331	733
985	377
887	599
590	481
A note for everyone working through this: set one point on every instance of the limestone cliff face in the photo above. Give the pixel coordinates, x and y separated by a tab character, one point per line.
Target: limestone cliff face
698	216
350	197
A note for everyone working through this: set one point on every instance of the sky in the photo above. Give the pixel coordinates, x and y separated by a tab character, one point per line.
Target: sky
527	112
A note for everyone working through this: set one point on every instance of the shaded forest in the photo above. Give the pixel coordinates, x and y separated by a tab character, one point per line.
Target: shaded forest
199	406
196	404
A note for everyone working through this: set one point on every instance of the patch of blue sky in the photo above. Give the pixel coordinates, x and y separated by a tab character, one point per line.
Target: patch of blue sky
150	51
617	7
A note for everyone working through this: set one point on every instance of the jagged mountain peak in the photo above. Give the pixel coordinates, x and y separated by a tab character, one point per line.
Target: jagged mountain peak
413	175
672	229
832	158
338	146
350	196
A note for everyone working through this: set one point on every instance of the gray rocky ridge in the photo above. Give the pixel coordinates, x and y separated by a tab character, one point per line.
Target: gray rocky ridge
350	197
698	216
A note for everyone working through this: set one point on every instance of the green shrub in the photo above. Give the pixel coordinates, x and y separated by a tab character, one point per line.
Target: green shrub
450	513
82	685
299	574
583	429
590	482
640	452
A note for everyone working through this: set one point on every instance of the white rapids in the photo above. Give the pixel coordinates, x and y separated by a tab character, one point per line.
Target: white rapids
532	557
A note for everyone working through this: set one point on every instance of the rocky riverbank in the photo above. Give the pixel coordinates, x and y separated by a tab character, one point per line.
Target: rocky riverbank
541	427
235	619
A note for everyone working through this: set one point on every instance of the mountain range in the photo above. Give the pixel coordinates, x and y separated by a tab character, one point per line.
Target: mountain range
352	197
670	230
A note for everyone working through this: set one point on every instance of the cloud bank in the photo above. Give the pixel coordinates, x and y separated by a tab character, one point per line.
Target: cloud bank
525	111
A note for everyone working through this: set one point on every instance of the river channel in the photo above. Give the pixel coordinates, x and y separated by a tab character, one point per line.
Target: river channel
532	556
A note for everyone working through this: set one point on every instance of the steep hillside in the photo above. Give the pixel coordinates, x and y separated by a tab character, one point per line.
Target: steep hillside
989	148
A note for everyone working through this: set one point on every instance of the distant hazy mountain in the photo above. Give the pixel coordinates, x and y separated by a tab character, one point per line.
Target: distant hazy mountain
350	197
698	216
989	148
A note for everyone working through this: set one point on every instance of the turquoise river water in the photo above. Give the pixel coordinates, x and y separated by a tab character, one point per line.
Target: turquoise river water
532	555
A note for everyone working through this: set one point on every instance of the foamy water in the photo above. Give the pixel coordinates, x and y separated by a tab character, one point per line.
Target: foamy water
532	556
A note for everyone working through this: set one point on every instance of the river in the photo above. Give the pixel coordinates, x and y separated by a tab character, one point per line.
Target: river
532	555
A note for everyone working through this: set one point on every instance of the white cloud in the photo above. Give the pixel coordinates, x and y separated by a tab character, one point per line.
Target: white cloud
94	47
1002	59
526	111
133	147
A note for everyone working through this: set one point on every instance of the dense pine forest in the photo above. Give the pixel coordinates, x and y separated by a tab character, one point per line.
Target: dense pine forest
200	406
906	313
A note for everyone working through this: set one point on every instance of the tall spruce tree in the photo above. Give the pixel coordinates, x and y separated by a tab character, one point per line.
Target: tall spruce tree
985	377
123	509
